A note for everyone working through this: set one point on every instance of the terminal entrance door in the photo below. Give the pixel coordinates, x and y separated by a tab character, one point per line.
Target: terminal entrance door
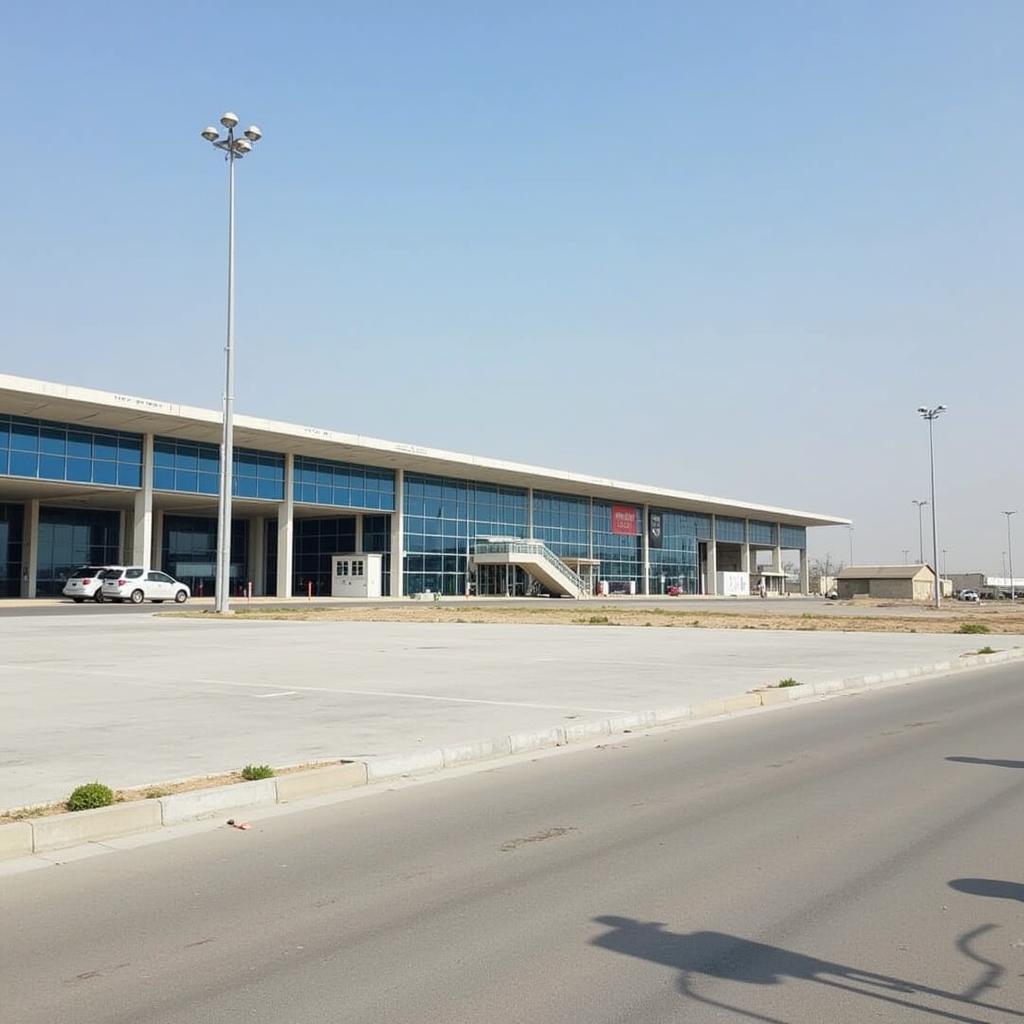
501	581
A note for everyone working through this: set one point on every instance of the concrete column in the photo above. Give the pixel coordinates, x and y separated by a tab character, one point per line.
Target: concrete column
358	541
257	547
30	549
645	549
158	539
285	516
529	512
398	537
777	558
711	582
745	558
805	573
142	517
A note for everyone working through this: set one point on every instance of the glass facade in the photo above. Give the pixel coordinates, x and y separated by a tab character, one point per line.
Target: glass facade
12	518
189	553
62	451
377	537
621	555
319	482
71	537
442	516
676	562
194	468
793	537
314	541
730	531
562	521
762	533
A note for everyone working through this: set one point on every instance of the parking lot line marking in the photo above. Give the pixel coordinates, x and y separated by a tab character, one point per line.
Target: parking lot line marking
283	693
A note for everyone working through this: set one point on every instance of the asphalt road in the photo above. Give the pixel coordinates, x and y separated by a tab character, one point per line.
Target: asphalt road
853	860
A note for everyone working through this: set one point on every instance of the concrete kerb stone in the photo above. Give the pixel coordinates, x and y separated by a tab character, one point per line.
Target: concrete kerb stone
396	765
60	830
319	781
15	839
524	742
481	750
203	803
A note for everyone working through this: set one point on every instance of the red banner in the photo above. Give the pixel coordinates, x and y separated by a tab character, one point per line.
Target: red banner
624	520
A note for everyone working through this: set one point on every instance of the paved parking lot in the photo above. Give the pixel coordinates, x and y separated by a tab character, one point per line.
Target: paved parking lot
137	699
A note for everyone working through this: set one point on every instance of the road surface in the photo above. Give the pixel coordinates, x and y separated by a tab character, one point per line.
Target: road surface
852	860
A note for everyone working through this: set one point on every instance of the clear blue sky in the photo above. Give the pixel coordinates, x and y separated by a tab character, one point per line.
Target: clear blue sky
726	247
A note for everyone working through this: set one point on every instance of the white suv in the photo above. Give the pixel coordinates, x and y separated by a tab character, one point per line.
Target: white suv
136	584
85	583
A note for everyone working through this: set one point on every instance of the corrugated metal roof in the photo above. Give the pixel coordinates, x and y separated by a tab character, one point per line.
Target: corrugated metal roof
883	572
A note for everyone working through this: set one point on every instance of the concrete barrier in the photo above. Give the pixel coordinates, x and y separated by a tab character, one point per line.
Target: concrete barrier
15	839
203	803
60	830
318	781
666	716
784	694
709	709
743	702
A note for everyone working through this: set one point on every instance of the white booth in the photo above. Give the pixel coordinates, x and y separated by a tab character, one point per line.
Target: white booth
356	575
733	584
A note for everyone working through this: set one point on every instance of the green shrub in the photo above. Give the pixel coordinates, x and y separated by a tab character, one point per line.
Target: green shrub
598	620
251	772
973	627
92	794
788	681
985	650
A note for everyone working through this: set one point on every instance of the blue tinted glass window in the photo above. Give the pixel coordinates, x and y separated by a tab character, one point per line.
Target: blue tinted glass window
794	537
53	441
25	436
342	484
127	475
105	446
730	531
761	532
52	467
104	472
24	464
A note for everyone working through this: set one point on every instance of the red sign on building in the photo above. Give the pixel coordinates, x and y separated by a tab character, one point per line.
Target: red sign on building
624	520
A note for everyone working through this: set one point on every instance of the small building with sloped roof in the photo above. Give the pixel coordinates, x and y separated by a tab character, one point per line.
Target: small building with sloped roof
893	582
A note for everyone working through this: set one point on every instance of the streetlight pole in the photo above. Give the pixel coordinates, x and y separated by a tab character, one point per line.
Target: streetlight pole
906	555
931	415
234	149
1009	551
920	528
850	528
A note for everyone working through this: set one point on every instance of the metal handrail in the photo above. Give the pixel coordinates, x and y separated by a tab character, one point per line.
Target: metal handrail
529	547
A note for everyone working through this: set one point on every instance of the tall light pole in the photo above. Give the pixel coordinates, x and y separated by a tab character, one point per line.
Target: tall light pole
850	528
906	555
1009	551
234	149
931	415
944	570
920	528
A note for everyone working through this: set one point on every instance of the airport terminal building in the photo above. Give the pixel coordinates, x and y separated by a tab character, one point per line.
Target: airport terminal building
96	478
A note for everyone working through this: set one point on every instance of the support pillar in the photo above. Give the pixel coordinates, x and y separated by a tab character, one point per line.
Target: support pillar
30	549
257	546
358	541
645	548
777	558
805	573
398	538
158	539
285	517
711	574
142	516
745	558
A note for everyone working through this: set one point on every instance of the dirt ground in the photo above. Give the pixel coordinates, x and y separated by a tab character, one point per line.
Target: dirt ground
995	618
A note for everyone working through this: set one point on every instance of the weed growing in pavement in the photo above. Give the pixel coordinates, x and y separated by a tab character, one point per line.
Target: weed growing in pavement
597	620
92	794
788	681
973	627
155	793
252	772
985	650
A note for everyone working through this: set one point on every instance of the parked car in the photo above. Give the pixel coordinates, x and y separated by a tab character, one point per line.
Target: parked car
86	584
969	595
135	584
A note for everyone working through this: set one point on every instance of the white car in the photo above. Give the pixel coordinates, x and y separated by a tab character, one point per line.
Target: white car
86	583
135	584
969	595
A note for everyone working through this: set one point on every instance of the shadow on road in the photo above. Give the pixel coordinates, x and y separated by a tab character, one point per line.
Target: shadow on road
994	761
715	955
989	887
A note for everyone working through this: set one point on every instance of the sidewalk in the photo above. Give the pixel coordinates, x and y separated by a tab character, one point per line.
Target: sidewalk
142	700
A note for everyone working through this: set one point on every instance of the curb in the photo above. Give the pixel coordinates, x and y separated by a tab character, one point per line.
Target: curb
58	831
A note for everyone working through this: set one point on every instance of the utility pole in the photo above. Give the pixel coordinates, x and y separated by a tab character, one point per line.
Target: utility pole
920	528
931	415
1009	552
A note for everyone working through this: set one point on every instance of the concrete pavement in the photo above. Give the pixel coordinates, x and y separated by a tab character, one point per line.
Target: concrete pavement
135	700
847	861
